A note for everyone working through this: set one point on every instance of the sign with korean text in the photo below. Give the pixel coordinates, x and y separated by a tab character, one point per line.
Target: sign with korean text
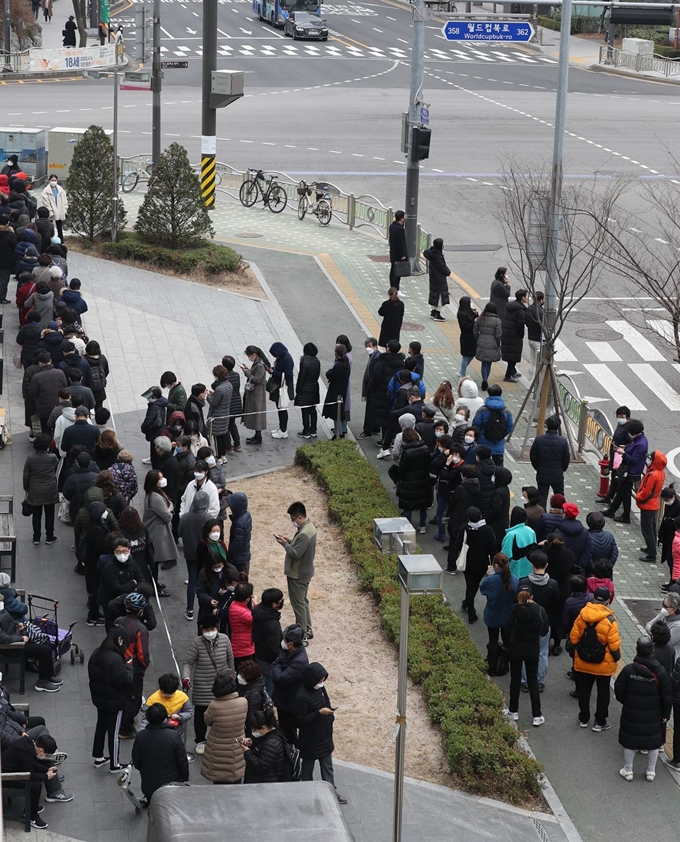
488	30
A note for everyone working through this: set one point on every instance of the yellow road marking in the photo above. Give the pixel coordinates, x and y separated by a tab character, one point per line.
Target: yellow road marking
350	293
465	285
347	38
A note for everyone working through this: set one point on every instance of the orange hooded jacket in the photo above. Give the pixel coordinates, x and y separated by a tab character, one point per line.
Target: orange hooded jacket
607	630
648	497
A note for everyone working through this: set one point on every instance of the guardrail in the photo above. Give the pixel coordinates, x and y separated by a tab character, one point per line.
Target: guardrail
634	61
590	425
14	62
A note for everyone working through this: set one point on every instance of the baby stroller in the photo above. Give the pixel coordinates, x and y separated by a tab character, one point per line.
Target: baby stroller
42	612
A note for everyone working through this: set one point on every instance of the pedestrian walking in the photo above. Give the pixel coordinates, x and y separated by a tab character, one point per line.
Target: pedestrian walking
596	646
236	408
35	5
500	291
629	472
527	624
255	394
157	517
494	423
338	384
307	389
69	32
47	10
110	679
40	486
499	587
396	236
438	274
467	316
550	458
513	323
54	197
158	753
488	332
535	320
223	761
392	312
648	499
299	564
644	690
281	386
267	635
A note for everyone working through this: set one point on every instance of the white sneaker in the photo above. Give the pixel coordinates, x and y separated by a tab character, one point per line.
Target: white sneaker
383	454
200	748
402	294
650	776
422	530
279	434
146	461
511	714
538	721
626	775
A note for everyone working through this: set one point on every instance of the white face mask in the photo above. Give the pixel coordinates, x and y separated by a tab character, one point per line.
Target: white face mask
469	439
284	645
439	433
460	418
620	420
162	482
214	536
199	475
241	680
210	635
218	569
257	734
211	460
2	606
319	685
122	557
370	351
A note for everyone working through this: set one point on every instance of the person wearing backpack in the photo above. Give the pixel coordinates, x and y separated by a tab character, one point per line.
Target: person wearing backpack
154	420
493	423
500	588
595	643
264	750
99	371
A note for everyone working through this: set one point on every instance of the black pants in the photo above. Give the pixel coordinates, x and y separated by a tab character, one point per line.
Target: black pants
4	283
531	665
42	653
59	223
648	529
221	445
584	686
36	789
509	372
453	549
133	703
497	459
309	419
233	436
394	280
472	579
49	521
43	425
623	493
289	725
544	488
200	728
368	421
676	731
283	420
492	646
108	726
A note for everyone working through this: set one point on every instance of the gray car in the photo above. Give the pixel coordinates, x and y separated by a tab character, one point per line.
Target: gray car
305	25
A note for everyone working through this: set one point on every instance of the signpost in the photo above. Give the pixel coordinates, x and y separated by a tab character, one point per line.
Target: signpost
424	115
173	65
498	31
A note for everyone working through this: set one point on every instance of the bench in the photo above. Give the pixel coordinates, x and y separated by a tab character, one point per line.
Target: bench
15	653
18	785
8	535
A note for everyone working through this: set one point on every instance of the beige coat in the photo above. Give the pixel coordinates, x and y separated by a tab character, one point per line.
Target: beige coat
255	400
223	759
59	208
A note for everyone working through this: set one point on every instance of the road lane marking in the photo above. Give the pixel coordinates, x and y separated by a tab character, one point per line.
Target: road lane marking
611	383
604	352
657	383
643	347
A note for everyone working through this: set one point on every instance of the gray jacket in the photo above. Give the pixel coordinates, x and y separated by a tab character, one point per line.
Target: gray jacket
206	658
191	524
40	480
673	624
157	518
488	334
220	407
300	553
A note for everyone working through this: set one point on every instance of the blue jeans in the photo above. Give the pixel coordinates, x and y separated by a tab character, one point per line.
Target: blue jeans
486	371
192	570
464	363
442	506
542	660
423	515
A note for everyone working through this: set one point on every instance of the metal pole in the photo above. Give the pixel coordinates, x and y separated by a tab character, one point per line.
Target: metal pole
413	167
8	30
114	200
156	77
401	716
208	114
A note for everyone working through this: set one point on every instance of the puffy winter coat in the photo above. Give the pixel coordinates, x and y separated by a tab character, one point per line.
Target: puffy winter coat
117	579
468	342
414	488
550	457
576	538
560	561
99	371
644	690
526	624
307	386
74	360
267	636
236	407
499	602
438	272
154	420
469	397
513	323
467	494
220	408
286	673
282	370
75	487
498	515
607	630
499	295
534	322
28	337
393	317
158	753
648	497
206	658
603	545
518	539
486	470
481	543
315	737
223	758
51	341
264	759
44	389
571	609
548	523
493	403
40	480
110	678
191	525
254	694
488	332
241	626
240	531
386	366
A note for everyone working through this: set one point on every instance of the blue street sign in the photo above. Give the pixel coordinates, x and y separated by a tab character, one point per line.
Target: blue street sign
425	116
489	30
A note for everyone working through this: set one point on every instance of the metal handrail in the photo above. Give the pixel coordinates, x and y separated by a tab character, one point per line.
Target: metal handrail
624	58
13	62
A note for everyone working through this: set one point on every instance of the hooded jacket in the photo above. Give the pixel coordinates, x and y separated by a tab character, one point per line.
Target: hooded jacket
75	487
493	403
83	521
486	468
518	539
40	481
571	609
513	323
51	341
240	531
56	414
414	488
438	272
498	515
527	624
469	397
176	419
406	422
560	561
386	366
282	374
267	636
43	303
607	630
307	386
110	678
577	538
549	522
264	759
644	690
545	591
191	525
74	301
603	545
481	542
550	457
315	738
467	494
28	337
158	753
499	602
287	671
28	238
117	579
648	497
74	360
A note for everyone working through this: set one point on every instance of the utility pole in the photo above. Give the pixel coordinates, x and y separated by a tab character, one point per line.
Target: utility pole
208	113
413	166
8	30
114	200
156	77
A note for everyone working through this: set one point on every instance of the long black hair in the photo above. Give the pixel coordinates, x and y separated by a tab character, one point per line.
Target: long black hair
344	340
465	307
253	349
489	310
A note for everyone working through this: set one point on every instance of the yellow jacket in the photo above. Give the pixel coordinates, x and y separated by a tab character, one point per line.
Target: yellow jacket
607	630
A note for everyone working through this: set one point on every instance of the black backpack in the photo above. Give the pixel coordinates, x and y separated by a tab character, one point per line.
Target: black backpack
292	762
495	428
590	649
98	377
502	665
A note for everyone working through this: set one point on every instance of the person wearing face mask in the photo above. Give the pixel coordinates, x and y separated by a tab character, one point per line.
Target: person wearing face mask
461	421
54	198
177	395
371	347
135	647
255	393
110	679
158	753
287	672
175	427
186	461
620	437
197	439
154	420
193	409
201	482
214	586
449	478
648	499
299	564
208	655
425	427
669	616
240	622
251	688
633	460
470	444
315	718
263	753
223	761
217	475
219	412
240	531
307	389
190	530
93	545
157	518
267	633
119	573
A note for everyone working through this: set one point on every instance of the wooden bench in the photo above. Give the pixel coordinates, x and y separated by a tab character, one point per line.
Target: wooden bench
18	785
15	653
8	535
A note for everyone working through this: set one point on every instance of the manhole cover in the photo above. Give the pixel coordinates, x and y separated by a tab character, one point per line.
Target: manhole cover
379	258
586	318
248	235
602	334
412	327
644	610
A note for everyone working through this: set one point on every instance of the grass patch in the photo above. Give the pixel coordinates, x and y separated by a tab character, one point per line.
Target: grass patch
209	257
481	747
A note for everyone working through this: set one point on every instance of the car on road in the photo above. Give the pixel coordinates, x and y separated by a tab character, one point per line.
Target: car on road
304	25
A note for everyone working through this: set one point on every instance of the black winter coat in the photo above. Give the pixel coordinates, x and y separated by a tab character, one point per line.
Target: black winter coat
240	531
193	410
550	457
159	754
75	487
534	320
486	468
560	561
481	548
110	678
386	366
117	579
468	340
526	624
266	635
414	488
498	516
467	494
264	759
154	420
425	429
393	318
548	522
513	323
338	381
39	479
577	538
397	241
315	737
307	385
499	294
8	242
546	595
74	360
236	405
167	465
287	672
644	690
29	338
52	342
81	432
439	272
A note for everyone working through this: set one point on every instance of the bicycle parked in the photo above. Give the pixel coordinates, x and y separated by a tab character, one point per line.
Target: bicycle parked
142	169
321	208
259	186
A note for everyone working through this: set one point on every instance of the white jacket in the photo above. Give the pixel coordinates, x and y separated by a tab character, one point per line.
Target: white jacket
210	489
58	208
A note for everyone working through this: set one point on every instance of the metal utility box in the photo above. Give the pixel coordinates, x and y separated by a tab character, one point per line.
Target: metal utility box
29	145
61	142
394	534
226	86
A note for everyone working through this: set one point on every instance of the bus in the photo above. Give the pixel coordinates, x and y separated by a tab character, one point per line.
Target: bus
276	12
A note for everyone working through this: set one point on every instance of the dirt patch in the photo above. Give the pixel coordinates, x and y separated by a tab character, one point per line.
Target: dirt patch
348	637
243	281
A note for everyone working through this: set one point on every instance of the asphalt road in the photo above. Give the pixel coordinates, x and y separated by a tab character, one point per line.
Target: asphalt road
333	110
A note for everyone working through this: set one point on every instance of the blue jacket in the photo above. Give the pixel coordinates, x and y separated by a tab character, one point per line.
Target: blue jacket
283	368
498	600
241	530
74	301
635	455
604	545
481	418
395	385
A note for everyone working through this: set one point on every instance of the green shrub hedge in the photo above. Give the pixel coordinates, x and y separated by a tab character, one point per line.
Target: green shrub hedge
213	259
579	23
481	747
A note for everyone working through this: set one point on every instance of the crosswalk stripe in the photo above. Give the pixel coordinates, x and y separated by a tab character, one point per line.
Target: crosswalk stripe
611	383
562	353
637	341
525	58
653	380
663	328
604	352
502	56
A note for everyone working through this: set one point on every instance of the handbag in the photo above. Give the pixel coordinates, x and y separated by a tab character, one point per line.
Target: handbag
271	386
26	508
248	386
401	268
461	561
63	514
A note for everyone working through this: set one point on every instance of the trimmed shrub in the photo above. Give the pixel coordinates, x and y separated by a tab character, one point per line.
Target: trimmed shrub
481	747
213	259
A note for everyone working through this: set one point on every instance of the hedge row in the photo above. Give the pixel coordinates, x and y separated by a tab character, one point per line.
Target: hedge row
209	257
579	23
481	747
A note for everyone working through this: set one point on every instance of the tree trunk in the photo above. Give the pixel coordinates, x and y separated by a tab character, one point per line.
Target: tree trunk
80	12
676	335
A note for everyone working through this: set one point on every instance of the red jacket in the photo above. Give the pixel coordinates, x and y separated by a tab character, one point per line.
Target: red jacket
648	497
241	626
675	575
594	583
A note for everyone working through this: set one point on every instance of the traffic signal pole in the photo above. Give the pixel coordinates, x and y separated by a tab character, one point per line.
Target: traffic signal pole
156	76
412	162
208	114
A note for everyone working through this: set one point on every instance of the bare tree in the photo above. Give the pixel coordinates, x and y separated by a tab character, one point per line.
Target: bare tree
80	13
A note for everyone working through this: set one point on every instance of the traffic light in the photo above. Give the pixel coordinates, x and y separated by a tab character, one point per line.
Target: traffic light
420	143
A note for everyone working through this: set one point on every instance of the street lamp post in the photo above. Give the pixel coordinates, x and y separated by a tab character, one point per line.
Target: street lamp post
114	200
208	111
156	83
412	162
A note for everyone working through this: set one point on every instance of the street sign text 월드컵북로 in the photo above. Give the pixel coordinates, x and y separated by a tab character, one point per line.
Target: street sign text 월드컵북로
487	30
174	65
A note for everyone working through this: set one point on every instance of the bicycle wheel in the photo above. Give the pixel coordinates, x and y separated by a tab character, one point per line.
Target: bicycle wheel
277	199
218	179
130	182
302	207
324	212
249	192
